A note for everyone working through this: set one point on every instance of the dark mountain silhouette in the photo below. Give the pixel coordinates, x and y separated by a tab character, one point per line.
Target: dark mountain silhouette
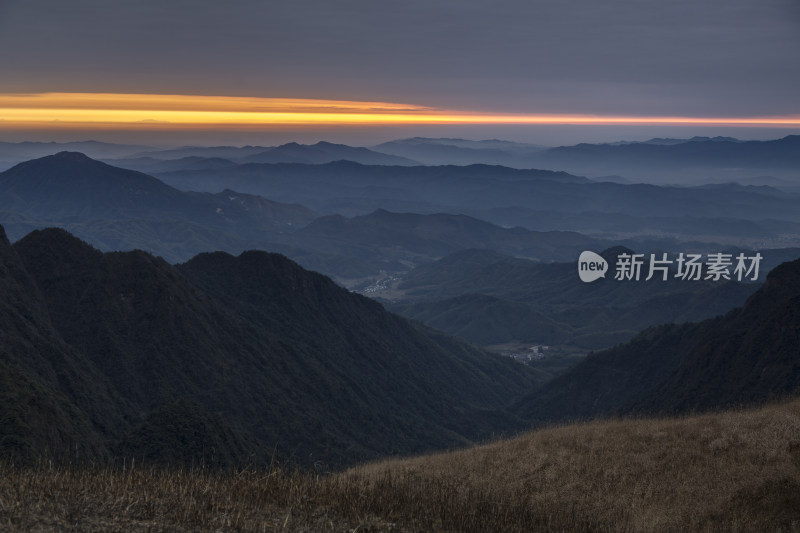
746	356
753	355
224	359
51	398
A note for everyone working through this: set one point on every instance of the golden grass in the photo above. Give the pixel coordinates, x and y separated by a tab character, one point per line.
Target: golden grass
733	471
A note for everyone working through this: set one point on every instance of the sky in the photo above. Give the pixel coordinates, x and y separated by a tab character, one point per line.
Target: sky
550	72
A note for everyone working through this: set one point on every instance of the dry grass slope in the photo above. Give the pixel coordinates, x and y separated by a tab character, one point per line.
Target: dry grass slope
732	471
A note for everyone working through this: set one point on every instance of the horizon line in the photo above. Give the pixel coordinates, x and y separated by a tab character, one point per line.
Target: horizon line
102	111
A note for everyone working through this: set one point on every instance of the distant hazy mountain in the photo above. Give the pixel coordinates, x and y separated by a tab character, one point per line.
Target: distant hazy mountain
670	141
125	209
680	162
658	160
224	360
662	160
463	152
620	225
122	209
71	184
114	209
487	144
321	152
780	153
349	188
747	356
534	199
324	152
222	152
12	153
490	298
152	165
410	236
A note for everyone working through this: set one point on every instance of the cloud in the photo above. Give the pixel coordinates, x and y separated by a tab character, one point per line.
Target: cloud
191	111
616	56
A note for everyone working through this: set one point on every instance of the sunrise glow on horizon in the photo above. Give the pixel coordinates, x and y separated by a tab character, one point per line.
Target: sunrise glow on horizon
166	112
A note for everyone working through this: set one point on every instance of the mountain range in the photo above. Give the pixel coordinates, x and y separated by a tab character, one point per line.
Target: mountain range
13	153
658	160
746	356
149	159
321	152
535	199
654	158
430	151
411	237
216	352
512	298
229	360
225	360
491	298
120	209
704	160
755	212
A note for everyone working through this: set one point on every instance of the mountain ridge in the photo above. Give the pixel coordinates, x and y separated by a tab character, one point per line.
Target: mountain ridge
286	358
746	356
324	152
125	209
491	291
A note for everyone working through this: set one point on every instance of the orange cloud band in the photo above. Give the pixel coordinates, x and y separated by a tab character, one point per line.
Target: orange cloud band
104	110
